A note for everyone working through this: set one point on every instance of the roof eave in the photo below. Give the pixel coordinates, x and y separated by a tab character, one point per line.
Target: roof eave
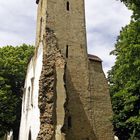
94	58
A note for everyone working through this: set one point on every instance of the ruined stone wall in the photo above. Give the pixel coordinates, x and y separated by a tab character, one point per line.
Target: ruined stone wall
44	97
101	110
68	25
50	90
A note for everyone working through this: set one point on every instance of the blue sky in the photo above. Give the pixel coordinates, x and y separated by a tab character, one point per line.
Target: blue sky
104	19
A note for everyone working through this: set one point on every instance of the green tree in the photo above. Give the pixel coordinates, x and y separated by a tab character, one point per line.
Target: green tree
124	79
134	5
13	66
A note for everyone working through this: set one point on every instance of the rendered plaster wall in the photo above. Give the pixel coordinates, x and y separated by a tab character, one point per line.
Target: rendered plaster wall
101	111
30	119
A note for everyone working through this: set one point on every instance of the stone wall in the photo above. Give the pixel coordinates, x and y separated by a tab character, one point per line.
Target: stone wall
101	111
68	25
51	88
71	92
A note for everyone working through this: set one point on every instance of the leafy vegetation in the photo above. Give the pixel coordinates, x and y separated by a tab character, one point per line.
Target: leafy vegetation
124	78
125	82
134	5
13	65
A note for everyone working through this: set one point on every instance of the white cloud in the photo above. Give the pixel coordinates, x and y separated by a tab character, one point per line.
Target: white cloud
18	22
104	20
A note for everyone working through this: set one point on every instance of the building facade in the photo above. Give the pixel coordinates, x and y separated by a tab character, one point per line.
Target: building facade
66	95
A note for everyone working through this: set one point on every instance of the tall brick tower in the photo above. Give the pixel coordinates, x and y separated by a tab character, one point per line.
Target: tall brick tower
62	91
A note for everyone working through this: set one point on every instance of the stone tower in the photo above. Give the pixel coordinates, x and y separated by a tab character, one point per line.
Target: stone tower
61	96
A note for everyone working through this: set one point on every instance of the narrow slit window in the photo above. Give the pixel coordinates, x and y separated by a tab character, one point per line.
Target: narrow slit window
24	95
68	6
40	32
67	51
30	136
69	122
32	83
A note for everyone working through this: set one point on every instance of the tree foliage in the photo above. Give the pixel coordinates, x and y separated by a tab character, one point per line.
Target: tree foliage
124	81
124	78
13	65
134	5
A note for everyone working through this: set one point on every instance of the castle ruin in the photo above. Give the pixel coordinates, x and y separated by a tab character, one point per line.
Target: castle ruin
66	95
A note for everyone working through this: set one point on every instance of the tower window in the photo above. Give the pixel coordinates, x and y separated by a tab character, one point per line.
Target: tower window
40	32
68	6
37	1
30	136
67	51
69	122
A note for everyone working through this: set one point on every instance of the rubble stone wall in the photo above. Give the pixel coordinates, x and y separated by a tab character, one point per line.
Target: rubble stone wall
101	111
51	88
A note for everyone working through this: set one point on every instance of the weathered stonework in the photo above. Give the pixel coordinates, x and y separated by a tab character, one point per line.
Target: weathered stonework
47	90
100	100
52	59
72	97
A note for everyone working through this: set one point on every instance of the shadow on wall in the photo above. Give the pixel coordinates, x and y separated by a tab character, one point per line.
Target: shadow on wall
77	125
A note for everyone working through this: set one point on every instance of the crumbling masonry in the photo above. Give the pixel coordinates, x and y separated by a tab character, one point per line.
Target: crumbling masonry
66	95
